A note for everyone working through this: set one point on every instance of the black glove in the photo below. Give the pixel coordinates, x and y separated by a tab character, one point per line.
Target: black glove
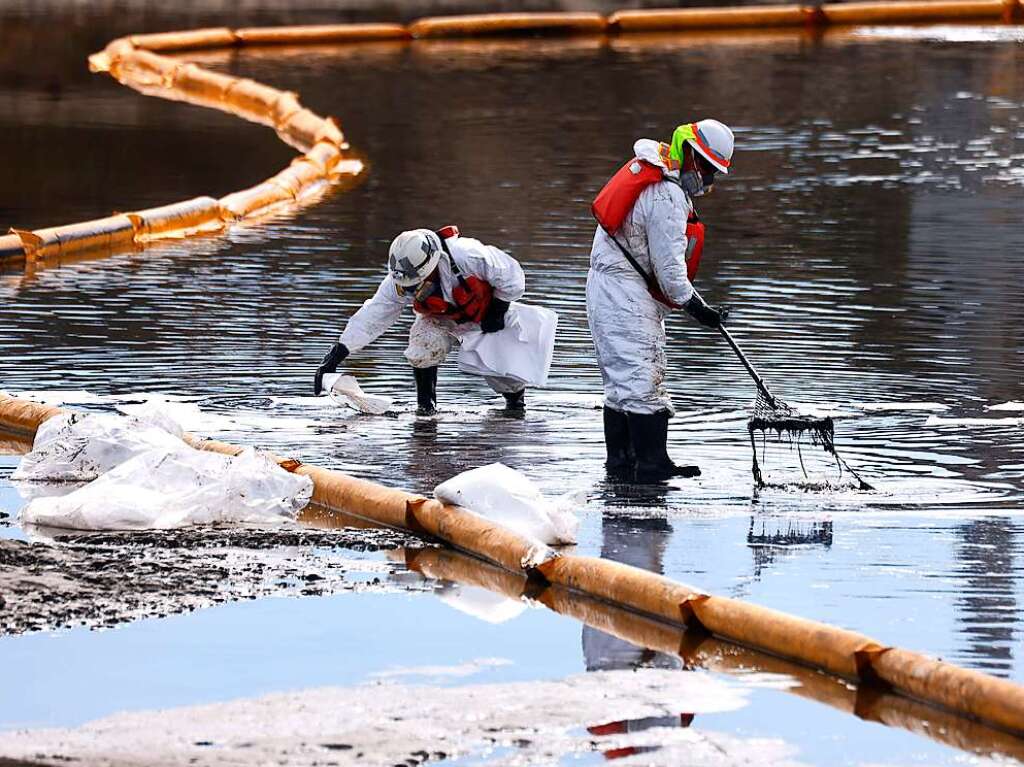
704	314
494	317
329	364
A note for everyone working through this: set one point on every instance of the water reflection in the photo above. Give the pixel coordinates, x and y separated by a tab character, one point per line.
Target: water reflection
988	609
696	650
868	246
639	541
625	726
769	538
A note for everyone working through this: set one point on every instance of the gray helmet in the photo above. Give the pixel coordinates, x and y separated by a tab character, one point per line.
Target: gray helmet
413	255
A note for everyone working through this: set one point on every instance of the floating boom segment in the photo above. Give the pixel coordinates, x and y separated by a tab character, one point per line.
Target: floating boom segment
841	652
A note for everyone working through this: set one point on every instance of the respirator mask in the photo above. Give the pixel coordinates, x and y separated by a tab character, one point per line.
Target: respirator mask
700	179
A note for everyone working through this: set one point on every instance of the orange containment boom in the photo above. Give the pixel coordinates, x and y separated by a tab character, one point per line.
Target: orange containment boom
256	199
193	80
320	34
103	233
181	219
137	61
134	62
701	649
478	25
21	417
711	18
897	12
841	652
256	101
216	37
12	249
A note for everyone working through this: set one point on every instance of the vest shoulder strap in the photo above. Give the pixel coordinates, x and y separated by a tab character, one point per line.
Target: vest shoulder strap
444	234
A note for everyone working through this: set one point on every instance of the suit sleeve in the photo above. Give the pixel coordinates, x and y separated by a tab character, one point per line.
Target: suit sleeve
376	315
666	239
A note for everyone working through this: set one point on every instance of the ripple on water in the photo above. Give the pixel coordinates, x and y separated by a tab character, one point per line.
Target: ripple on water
839	241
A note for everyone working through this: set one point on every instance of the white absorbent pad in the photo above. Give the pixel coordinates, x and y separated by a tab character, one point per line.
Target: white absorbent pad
522	351
78	447
345	390
163	488
511	499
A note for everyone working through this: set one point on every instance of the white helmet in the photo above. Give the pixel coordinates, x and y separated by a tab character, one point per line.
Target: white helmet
714	141
413	255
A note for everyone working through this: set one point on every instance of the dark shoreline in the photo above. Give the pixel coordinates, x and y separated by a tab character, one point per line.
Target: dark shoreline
100	580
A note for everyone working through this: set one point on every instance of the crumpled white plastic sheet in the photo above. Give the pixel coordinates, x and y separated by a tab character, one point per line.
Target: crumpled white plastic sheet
169	412
345	390
522	351
79	447
167	488
509	498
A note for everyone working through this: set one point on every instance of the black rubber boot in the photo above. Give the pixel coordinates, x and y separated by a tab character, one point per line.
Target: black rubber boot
620	460
515	402
649	434
426	390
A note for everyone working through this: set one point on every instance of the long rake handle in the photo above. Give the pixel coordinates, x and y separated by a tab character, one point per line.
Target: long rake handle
746	363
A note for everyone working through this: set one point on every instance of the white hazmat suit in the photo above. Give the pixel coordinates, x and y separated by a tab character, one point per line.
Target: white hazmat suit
431	337
626	323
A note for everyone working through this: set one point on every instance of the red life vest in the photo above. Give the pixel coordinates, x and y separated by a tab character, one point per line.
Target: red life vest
471	295
614	202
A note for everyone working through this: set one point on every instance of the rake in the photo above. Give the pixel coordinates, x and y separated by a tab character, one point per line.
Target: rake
773	415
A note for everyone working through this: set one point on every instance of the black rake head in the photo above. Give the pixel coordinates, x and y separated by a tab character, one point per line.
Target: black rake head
772	415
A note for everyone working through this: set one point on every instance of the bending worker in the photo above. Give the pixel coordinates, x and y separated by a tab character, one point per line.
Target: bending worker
645	254
454	284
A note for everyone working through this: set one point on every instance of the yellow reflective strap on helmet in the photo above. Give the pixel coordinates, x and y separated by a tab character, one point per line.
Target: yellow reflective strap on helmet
680	136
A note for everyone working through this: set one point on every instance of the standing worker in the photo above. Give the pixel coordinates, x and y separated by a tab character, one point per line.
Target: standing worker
454	284
645	254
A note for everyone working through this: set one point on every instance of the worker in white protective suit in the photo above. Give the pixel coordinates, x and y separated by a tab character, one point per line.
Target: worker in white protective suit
454	284
645	254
